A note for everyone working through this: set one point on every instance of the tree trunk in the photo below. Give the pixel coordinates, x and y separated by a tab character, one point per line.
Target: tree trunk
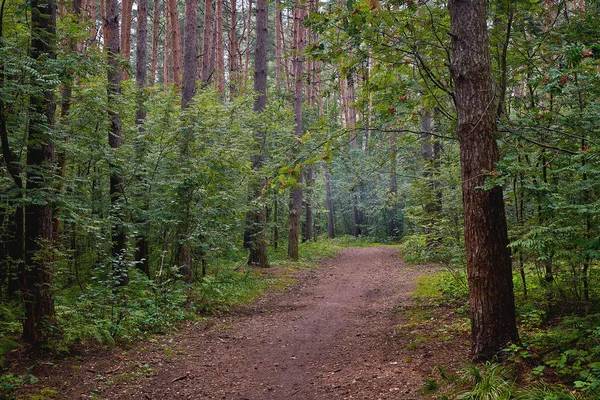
37	278
125	42
257	218
394	228
493	325
153	63
206	44
329	202
248	35
308	226
115	139
141	248
219	51
167	50
296	194
430	151
278	43
176	41
233	52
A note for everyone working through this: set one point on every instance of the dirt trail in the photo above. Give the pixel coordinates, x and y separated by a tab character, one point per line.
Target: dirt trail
332	335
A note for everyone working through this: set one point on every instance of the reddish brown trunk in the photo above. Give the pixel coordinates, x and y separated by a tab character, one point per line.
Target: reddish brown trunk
329	203
205	72
493	325
167	50
125	42
175	41
153	63
248	32
219	51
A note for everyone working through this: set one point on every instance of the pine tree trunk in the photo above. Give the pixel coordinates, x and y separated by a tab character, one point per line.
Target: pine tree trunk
175	41
430	151
125	43
493	325
248	34
141	50
329	203
37	278
153	63
278	43
115	139
206	44
257	218
167	49
233	52
296	195
393	223
219	51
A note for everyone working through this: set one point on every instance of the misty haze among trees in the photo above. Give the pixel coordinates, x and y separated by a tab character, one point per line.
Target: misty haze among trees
153	148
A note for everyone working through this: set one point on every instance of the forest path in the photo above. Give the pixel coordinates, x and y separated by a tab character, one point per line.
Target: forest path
332	335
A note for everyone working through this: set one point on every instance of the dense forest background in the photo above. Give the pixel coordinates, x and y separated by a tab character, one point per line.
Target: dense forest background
151	148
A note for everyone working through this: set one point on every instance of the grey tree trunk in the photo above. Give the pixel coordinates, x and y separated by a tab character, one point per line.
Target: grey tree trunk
257	218
115	139
38	274
493	325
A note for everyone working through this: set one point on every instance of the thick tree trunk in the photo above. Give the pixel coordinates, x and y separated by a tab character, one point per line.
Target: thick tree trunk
115	139
219	51
257	218
37	278
153	63
493	325
296	195
205	71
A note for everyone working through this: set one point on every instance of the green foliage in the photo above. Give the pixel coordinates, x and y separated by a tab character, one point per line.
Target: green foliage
9	383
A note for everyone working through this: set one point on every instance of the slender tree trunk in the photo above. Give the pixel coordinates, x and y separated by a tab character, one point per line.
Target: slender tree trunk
493	324
115	139
153	63
393	224
308	226
142	247
37	278
206	44
176	41
233	52
167	49
351	111
125	42
248	35
184	254
219	51
296	194
430	150
278	43
257	218
329	203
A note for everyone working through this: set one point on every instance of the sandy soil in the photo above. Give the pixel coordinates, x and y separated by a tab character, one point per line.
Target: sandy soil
347	330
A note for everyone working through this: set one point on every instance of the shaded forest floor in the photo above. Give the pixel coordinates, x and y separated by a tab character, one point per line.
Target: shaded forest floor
350	329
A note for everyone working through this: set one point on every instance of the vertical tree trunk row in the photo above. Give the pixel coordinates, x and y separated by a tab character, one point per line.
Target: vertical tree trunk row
219	51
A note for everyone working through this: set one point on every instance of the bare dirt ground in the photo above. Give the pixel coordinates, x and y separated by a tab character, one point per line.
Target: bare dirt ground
347	330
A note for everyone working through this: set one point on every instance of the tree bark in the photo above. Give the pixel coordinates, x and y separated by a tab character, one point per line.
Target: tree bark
430	151
205	72
176	41
219	51
125	42
296	194
167	49
248	35
493	325
37	278
153	63
233	51
257	218
115	139
329	203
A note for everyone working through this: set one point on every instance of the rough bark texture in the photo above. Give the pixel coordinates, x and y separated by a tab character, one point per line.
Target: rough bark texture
141	247
233	51
219	51
257	218
115	139
493	325
296	195
155	18
205	71
37	278
125	42
190	32
175	41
